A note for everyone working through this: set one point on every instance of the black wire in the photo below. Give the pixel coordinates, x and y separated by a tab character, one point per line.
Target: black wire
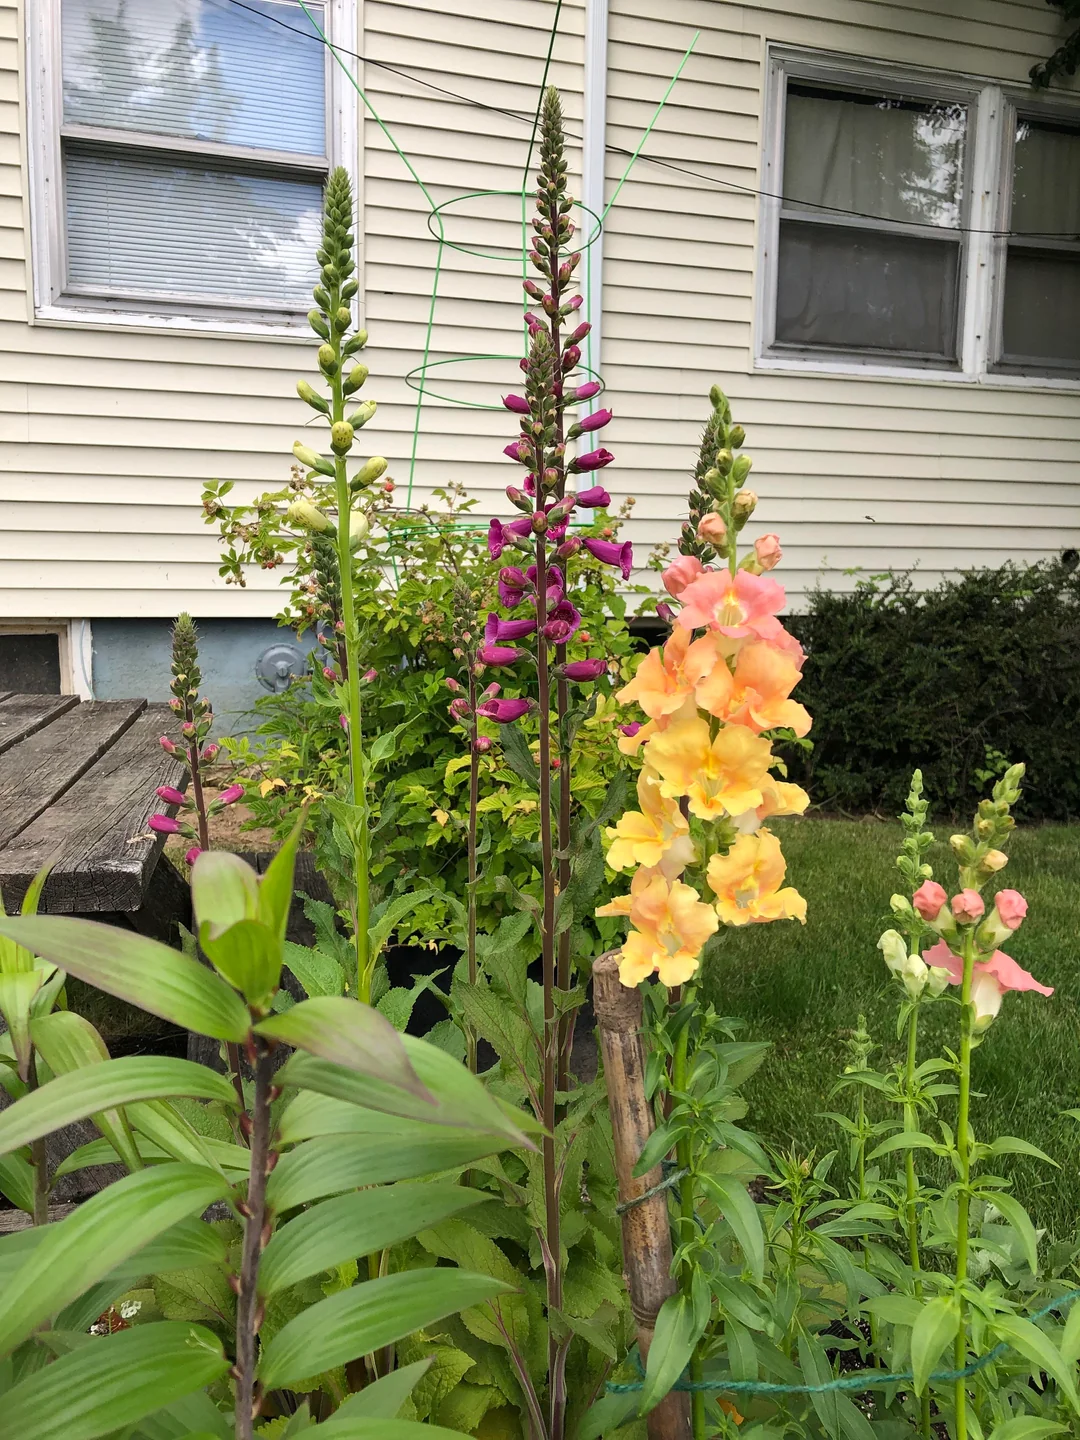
653	160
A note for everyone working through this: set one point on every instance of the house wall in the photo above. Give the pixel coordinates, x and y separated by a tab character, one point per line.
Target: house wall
107	435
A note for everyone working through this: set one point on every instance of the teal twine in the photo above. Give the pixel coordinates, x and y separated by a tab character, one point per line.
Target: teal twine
670	1179
864	1380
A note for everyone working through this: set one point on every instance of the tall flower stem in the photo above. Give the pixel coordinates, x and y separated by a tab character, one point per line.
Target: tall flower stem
248	1306
963	1151
911	1185
474	800
687	1200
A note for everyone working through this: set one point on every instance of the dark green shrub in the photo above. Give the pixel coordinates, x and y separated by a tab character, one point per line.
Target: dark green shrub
953	679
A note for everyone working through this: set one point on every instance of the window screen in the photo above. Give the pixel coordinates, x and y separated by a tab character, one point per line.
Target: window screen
213	193
1041	304
869	250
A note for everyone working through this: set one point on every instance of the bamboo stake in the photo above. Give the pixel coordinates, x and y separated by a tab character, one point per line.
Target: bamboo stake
646	1228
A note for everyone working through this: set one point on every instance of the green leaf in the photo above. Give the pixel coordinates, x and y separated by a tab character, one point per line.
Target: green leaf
607	1416
190	1244
113	1082
673	1344
17	1182
363	1428
133	968
1070	1338
461	1099
894	1309
367	1317
276	886
386	916
1026	1427
350	1034
331	1164
165	1128
383	1400
17	991
1040	1350
248	957
516	753
936	1327
906	1140
318	973
1013	1145
103	1387
101	1234
836	1412
193	1417
68	1043
742	1215
1015	1215
338	1230
224	892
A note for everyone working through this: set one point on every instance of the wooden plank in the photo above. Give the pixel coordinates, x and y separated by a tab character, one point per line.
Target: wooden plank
97	831
23	715
12	1221
37	771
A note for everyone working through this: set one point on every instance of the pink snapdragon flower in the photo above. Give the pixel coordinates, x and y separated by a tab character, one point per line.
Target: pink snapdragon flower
991	979
738	605
711	528
1011	907
928	899
680	573
767	551
968	906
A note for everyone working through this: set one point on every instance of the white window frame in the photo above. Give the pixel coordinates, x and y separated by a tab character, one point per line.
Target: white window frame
993	109
46	132
75	646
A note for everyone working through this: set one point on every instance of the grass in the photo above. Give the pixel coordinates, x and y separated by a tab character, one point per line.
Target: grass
803	988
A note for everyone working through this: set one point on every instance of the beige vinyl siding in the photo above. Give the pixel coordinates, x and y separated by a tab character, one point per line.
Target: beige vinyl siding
854	471
108	435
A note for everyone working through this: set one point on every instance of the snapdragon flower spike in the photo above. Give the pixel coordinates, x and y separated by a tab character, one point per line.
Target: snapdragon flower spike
504	712
610	552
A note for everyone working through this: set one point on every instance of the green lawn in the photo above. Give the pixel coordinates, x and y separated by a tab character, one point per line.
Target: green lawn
804	988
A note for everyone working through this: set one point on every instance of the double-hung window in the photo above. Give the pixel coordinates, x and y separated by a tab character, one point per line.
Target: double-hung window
917	222
181	155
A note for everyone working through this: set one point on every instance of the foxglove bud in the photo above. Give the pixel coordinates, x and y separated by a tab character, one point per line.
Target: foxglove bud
231	795
577	335
584	669
568	547
342	318
329	673
519	499
328	361
519	450
341	437
309	394
363	414
370	470
170	795
482	744
359	529
192	855
665	612
574	303
570	358
166	744
539	523
517	403
308	516
312	459
164	824
736	436
209	754
355	378
369	677
532	289
460	708
584	392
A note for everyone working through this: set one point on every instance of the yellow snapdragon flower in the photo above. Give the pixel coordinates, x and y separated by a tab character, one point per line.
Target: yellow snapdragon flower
669	928
721	776
747	883
657	835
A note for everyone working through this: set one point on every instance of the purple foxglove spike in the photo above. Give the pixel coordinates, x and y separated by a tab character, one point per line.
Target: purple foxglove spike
593	460
610	552
578	334
170	795
587	391
192	855
504	712
231	795
570	358
584	669
517	403
164	825
166	744
499	655
596	421
595	498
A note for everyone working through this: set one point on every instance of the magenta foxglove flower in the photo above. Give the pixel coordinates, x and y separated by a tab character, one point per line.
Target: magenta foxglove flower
595	498
563	619
610	552
231	795
594	460
209	752
164	824
497	655
584	669
571	356
630	729
504	712
167	744
517	403
555	578
459	708
500	535
170	795
596	421
497	630
587	391
519	450
192	855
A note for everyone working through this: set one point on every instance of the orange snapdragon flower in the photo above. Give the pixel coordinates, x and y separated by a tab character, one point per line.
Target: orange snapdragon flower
633	737
747	880
656	836
721	776
666	678
757	694
670	927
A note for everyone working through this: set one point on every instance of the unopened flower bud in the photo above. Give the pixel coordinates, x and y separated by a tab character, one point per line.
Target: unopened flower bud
539	523
167	745
341	437
309	394
359	528
362	414
370	470
170	795
711	528
230	795
453	685
369	676
164	825
328	361
963	847
192	855
993	861
743	507
767	551
741	469
355	378
307	515
570	546
460	708
665	612
736	436
482	744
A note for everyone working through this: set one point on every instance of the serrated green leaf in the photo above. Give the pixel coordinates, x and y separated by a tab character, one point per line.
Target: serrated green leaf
319	973
100	1235
103	1387
134	968
350	1034
367	1317
103	1087
354	1225
937	1326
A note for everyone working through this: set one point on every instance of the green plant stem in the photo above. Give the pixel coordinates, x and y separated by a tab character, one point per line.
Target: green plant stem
39	1159
684	1151
963	1151
553	1255
358	782
911	1186
474	800
248	1305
